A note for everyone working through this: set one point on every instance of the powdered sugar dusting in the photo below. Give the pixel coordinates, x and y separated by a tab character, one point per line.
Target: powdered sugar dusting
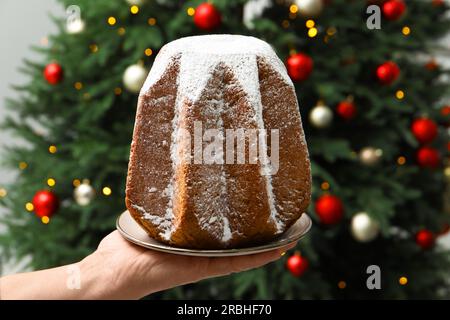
165	223
201	53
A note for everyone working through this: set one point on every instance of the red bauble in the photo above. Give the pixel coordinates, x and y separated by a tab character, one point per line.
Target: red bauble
425	239
428	157
53	73
394	9
388	72
425	130
297	265
330	209
207	17
299	66
45	203
346	109
445	111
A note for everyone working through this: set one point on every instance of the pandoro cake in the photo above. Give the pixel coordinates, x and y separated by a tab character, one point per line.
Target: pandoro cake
209	91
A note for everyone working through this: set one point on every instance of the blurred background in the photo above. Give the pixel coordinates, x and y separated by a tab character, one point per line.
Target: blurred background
24	24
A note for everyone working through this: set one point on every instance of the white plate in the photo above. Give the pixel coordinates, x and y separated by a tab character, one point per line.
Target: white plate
133	232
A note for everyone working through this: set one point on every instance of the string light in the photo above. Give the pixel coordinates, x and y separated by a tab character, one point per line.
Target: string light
148	52
111	21
190	11
45	220
285	24
151	21
293	8
342	284
325	185
29	206
310	23
76	182
401	160
117	91
403	281
78	85
52	149
312	32
23	165
106	191
406	30
331	31
3	192
134	9
121	31
86	96
447	172
51	182
400	94
93	47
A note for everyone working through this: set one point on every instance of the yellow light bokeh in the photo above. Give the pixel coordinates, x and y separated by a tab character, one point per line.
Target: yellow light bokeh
285	24
52	149
78	85
29	206
23	165
342	284
406	30
190	11
93	47
3	192
400	94
76	182
151	21
51	182
106	191
117	91
331	31
310	23
293	8
401	160
45	220
325	185
403	281
121	31
148	52
111	21
312	32
134	9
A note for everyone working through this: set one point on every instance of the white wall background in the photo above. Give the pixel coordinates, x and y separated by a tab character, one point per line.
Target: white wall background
23	23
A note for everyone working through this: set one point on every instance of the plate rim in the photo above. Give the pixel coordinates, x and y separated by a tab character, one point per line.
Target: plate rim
213	252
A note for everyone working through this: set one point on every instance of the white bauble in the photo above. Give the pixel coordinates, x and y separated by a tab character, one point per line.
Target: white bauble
321	116
309	8
370	156
134	77
135	2
253	9
84	194
75	26
364	228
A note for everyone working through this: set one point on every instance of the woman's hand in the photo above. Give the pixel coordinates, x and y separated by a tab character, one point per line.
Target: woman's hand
119	269
138	272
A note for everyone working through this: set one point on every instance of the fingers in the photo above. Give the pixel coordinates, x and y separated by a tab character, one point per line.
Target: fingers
224	266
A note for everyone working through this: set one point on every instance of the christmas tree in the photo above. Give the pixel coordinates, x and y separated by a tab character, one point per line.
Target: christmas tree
371	97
